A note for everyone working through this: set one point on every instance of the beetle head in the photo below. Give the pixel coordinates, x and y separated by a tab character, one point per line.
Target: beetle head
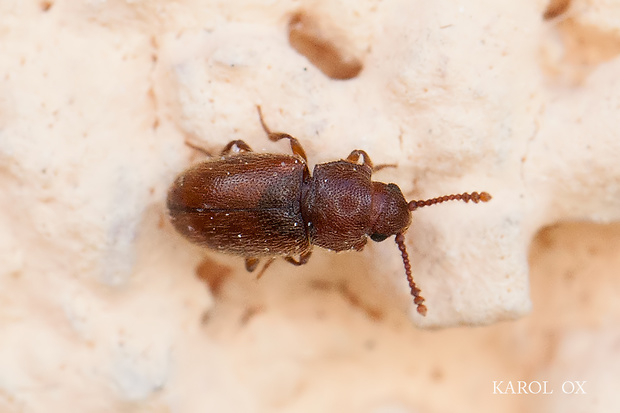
390	214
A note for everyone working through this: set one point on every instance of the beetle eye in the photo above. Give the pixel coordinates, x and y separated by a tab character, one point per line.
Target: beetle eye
378	237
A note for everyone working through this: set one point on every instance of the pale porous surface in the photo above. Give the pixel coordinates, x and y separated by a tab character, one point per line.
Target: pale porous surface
101	308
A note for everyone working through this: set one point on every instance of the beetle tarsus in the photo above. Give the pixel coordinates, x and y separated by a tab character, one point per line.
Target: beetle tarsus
262	270
262	120
276	136
198	148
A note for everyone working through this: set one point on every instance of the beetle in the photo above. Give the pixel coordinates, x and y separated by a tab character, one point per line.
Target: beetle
265	205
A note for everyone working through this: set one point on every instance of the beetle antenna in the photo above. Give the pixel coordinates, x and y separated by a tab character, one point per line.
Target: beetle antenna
415	291
400	238
466	197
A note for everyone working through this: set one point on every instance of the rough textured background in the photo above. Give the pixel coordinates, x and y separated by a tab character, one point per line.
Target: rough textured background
104	308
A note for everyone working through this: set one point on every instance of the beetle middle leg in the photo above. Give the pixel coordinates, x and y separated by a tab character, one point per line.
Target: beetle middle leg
198	148
241	145
276	136
251	263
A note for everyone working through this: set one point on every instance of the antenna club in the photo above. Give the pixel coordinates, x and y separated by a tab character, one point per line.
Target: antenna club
485	196
422	310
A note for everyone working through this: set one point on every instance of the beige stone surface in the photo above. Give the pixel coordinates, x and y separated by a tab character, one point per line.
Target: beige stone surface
104	308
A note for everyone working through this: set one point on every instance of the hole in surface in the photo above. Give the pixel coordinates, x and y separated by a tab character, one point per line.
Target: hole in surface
556	8
321	47
588	45
581	49
46	5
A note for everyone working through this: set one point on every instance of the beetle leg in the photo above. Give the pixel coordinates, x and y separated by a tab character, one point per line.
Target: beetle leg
355	156
241	145
303	259
276	136
262	270
295	145
383	166
198	148
251	263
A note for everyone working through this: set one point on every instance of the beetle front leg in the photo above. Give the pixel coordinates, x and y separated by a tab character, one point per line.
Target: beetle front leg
303	259
355	156
276	136
241	145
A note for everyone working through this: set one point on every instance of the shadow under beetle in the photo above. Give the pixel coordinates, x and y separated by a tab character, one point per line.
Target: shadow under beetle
264	205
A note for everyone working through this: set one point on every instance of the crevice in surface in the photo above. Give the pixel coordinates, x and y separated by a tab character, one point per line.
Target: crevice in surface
321	46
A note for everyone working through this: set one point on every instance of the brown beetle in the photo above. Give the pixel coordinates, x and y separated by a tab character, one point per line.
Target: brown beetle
268	205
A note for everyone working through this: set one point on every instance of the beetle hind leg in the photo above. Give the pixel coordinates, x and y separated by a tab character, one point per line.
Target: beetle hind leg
276	136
